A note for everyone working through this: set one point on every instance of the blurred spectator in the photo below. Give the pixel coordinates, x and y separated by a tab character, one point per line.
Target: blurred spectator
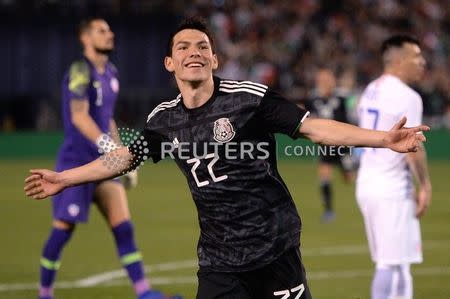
279	43
285	41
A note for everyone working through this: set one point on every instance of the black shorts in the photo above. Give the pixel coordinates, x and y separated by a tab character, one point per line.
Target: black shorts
283	278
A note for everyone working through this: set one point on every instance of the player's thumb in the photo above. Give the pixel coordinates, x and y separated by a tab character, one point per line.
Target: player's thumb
43	173
400	124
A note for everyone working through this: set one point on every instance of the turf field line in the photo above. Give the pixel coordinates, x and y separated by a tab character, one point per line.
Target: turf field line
110	276
322	275
159	280
360	249
192	279
104	277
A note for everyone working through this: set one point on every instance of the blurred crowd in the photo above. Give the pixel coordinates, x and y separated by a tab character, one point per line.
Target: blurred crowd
282	43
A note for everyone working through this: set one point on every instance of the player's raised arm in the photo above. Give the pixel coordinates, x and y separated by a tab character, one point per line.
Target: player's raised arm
43	182
330	132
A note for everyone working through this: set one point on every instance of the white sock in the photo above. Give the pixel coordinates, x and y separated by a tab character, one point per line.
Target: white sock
404	288
382	282
392	282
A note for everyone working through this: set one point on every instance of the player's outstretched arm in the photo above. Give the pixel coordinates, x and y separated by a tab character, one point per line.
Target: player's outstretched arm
330	132
130	179
43	182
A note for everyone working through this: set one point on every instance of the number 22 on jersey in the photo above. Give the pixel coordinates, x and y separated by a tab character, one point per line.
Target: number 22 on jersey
196	162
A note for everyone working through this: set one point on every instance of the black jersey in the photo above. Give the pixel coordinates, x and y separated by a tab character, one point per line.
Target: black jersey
330	108
227	151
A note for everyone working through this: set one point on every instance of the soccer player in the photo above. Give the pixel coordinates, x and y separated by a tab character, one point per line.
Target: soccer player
221	134
90	89
385	189
327	104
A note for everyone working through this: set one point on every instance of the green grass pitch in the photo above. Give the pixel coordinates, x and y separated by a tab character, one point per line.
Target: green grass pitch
335	255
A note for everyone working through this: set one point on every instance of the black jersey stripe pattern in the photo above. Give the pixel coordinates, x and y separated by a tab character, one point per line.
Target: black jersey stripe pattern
244	82
163	106
230	86
234	85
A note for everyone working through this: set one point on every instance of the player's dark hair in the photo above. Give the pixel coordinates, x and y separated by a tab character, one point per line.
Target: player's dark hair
397	41
195	22
85	24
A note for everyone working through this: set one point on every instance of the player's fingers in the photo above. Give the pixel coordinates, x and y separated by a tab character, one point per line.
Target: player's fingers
421	128
31	185
35	191
413	147
32	189
420	210
39	172
422	204
32	178
40	195
420	137
399	124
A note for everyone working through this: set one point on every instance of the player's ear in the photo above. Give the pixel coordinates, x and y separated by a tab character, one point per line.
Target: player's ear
215	63
168	64
83	38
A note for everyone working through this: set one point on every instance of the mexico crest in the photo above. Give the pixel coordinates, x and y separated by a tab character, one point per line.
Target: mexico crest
223	130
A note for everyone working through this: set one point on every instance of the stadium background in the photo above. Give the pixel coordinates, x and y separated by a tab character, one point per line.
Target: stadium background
278	43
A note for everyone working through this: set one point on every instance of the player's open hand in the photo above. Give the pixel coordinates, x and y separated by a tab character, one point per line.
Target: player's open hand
42	183
403	140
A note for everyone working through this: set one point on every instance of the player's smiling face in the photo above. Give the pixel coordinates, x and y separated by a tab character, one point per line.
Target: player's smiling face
192	56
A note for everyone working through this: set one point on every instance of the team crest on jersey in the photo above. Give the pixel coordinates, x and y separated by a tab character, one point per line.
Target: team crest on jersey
114	83
223	130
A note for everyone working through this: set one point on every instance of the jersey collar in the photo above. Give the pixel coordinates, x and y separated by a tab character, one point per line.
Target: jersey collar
208	103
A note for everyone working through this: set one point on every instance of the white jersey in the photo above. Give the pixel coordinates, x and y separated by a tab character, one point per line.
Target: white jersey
384	173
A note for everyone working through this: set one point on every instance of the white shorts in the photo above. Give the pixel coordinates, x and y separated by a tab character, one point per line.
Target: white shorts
392	229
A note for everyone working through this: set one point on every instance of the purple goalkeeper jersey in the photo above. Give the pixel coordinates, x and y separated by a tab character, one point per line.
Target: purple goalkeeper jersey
82	82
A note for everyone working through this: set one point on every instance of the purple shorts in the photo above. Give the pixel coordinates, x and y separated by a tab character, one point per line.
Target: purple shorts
72	205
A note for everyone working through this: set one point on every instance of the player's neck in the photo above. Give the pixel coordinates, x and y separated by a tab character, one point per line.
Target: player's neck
196	94
398	74
98	60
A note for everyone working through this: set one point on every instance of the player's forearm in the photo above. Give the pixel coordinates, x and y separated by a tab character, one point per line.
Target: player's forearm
87	126
417	162
114	131
331	132
109	165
